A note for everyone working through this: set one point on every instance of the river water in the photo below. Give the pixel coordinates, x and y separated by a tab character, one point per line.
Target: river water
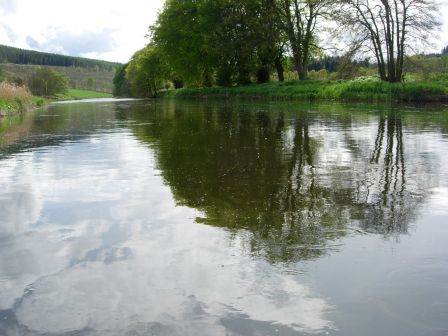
224	218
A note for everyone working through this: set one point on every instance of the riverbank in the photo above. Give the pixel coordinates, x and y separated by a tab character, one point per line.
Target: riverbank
361	89
77	94
16	99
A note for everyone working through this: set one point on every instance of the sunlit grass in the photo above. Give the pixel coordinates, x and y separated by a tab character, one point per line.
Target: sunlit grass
361	89
83	94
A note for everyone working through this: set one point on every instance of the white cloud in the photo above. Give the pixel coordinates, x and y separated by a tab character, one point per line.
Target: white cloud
443	41
106	29
7	6
67	42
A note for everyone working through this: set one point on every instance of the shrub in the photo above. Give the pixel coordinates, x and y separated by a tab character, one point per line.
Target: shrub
13	98
13	92
46	82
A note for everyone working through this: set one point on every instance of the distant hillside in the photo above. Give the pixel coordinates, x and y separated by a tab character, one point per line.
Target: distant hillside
18	65
22	56
79	78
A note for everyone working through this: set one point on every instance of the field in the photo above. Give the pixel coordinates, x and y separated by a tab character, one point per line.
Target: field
87	94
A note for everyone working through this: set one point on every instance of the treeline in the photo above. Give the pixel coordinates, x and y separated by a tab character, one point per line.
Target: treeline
22	56
235	42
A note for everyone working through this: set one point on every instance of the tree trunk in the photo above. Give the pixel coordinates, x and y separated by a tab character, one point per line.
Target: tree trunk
263	74
279	69
302	71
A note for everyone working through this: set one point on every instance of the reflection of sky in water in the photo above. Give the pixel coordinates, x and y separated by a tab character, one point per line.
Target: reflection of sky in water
95	232
93	243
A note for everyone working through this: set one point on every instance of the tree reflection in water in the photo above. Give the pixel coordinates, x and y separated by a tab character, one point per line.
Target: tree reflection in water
388	201
270	173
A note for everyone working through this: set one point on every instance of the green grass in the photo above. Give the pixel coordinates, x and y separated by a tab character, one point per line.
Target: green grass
86	94
14	106
361	89
74	94
15	99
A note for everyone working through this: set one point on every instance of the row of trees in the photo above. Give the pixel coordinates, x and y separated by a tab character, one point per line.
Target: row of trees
228	42
21	56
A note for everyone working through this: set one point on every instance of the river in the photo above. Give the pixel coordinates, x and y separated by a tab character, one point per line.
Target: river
123	217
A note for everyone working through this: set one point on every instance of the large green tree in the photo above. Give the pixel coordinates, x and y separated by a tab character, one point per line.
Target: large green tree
223	41
146	72
182	36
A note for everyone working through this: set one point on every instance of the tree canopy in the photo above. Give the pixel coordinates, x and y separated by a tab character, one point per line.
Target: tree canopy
145	74
229	42
48	83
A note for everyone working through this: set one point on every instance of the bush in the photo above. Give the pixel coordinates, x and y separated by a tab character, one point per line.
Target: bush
10	91
48	83
13	98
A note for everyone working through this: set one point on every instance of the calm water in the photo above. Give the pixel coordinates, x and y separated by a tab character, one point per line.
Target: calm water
144	218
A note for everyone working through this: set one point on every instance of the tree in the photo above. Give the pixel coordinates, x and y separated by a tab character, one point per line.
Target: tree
91	83
224	41
445	51
271	42
181	35
388	28
234	37
121	84
46	82
299	20
146	72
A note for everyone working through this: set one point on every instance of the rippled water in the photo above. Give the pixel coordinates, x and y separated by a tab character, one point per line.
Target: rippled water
175	218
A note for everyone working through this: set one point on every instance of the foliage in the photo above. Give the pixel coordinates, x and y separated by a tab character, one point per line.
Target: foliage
78	77
426	65
13	98
46	82
388	28
10	91
181	34
299	19
121	84
232	43
146	72
219	41
361	89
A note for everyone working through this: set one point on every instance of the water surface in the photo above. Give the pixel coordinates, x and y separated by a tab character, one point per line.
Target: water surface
215	218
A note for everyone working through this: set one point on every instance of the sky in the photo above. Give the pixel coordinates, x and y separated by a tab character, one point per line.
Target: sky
111	30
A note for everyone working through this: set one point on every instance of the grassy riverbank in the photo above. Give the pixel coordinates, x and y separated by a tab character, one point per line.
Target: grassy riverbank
15	99
75	94
361	89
